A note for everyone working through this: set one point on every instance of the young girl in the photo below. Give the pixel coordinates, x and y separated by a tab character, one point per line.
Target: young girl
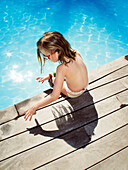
71	75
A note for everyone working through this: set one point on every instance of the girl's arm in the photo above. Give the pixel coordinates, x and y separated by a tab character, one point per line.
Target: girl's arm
60	74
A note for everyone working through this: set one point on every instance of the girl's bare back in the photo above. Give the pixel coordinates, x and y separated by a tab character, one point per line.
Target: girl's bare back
76	74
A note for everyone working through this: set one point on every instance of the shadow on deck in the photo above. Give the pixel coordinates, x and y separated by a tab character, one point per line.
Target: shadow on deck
75	134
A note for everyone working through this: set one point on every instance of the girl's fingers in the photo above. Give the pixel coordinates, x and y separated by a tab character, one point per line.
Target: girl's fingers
40	79
26	116
30	117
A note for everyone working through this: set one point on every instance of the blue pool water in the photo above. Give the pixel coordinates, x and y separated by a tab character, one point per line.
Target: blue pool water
97	29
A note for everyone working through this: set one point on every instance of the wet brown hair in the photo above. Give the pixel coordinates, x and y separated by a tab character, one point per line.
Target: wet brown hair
54	41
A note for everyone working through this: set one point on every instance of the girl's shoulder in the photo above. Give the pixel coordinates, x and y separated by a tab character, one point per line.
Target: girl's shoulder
62	68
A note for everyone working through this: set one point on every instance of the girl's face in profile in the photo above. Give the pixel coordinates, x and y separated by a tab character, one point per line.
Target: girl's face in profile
53	56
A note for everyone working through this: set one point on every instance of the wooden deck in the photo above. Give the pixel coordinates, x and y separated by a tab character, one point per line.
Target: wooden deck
89	132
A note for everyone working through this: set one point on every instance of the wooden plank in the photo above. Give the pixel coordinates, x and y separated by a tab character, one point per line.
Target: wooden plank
84	158
125	82
66	143
10	113
89	155
123	98
67	106
21	106
107	90
118	161
7	114
107	68
113	76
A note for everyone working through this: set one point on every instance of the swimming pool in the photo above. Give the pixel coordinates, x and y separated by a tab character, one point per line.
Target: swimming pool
97	29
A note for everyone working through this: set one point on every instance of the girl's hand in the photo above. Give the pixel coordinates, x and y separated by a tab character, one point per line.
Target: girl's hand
42	79
29	113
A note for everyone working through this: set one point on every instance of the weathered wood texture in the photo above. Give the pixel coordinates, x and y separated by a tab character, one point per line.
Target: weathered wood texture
83	133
